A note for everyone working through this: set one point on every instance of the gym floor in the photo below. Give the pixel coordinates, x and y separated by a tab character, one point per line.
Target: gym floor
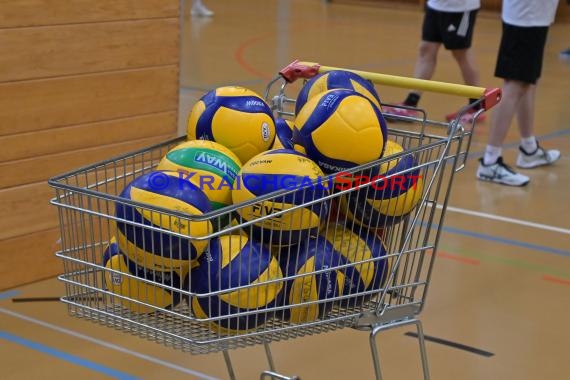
500	291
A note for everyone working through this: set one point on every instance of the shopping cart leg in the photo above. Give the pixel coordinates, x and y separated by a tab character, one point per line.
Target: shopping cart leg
271	374
229	365
269	357
374	347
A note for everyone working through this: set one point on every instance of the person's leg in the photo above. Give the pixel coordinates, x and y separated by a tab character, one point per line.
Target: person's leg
491	167
531	154
466	61
513	93
424	69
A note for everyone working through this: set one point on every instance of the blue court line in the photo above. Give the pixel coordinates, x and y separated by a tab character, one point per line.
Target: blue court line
9	294
65	356
547	136
497	239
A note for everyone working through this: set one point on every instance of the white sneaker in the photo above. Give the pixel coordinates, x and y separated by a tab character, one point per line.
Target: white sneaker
538	158
200	10
500	173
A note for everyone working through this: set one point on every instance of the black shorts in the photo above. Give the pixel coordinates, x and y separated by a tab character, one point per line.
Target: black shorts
521	52
453	29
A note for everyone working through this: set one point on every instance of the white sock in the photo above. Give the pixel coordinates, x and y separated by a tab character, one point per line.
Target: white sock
492	154
529	144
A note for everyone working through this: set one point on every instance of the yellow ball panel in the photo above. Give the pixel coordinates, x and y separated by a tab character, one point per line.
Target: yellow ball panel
191	229
402	204
304	289
257	295
300	219
356	125
197	111
355	249
150	260
235	91
134	288
285	163
392	148
246	134
362	90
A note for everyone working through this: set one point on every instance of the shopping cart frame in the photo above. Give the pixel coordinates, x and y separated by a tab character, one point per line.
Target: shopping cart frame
84	198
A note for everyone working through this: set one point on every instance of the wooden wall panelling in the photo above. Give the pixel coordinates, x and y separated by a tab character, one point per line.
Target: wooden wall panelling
35	169
85	48
56	140
48	103
17	13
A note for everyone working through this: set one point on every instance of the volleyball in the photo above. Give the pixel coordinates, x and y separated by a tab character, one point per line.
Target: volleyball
388	199
281	169
235	117
312	290
336	79
367	253
243	267
210	165
284	134
146	236
340	129
125	280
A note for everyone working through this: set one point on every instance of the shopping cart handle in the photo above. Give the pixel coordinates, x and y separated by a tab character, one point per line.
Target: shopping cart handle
306	70
492	97
298	69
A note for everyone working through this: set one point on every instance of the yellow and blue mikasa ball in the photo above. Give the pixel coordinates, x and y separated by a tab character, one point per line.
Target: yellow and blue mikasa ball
152	296
340	129
307	295
281	169
333	80
244	268
367	254
145	236
235	117
210	165
387	200
284	134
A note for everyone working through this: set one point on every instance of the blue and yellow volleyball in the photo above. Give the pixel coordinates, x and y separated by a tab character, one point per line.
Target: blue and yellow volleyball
336	79
243	267
281	169
307	295
366	253
388	199
147	236
340	129
210	165
123	278
284	134
235	117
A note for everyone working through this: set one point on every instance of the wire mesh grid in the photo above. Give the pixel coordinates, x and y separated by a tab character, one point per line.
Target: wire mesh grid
268	294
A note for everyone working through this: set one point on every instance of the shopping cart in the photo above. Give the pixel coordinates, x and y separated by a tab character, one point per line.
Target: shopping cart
87	199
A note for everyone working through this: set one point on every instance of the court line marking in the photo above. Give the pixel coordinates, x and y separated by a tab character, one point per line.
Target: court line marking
9	294
107	344
96	367
556	280
521	222
497	239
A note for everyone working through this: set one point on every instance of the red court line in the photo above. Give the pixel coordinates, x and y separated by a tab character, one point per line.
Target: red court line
239	56
463	260
556	280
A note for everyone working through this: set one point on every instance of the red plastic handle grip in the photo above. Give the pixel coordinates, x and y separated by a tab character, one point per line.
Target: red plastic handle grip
298	69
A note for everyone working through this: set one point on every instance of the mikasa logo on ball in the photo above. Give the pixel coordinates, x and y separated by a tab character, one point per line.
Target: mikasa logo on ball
116	278
265	132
